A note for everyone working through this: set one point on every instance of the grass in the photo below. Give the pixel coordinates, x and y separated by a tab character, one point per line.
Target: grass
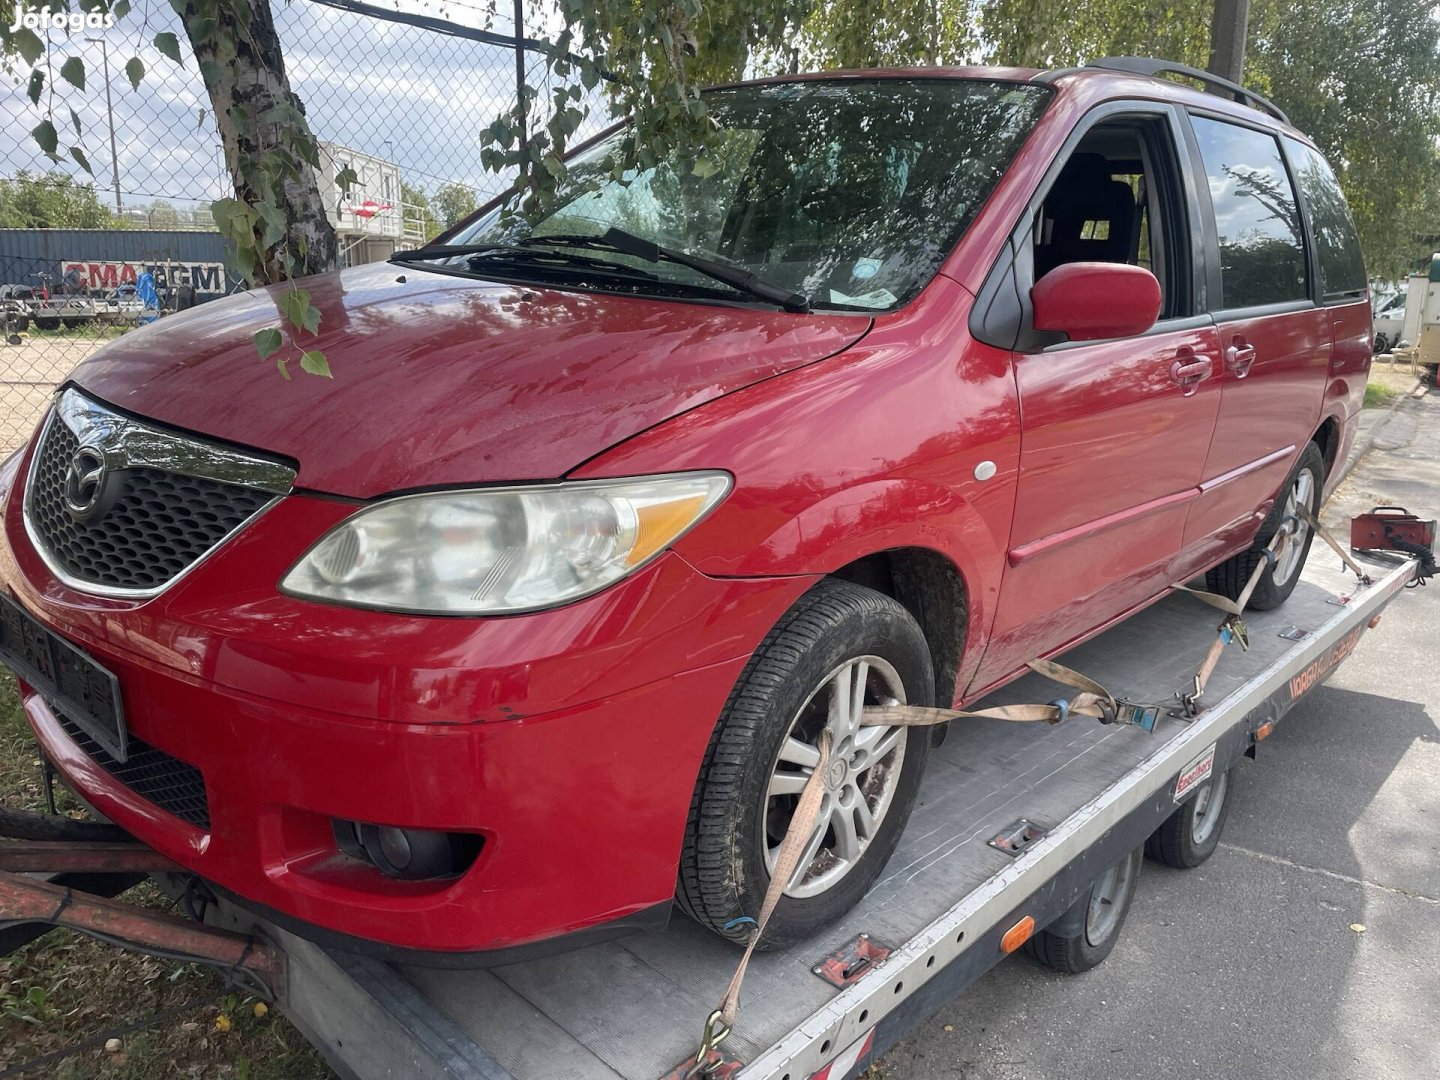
1378	395
65	996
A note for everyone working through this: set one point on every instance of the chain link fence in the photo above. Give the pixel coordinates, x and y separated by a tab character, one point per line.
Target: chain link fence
398	94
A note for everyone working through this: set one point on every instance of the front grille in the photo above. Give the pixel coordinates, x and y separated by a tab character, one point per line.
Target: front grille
169	783
158	524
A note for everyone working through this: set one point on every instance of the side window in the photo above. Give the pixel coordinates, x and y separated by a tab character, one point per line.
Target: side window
1342	270
1262	251
1115	200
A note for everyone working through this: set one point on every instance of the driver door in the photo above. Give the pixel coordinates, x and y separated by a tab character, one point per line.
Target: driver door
1114	433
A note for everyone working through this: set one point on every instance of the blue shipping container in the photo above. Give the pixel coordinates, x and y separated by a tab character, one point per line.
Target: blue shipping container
99	260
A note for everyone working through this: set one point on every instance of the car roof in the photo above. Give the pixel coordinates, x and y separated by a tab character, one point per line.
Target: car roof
1093	84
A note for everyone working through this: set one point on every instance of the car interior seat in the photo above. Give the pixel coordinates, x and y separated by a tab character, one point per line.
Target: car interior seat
1091	217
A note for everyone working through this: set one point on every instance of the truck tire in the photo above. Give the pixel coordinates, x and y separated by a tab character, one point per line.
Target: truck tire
1279	579
1191	834
46	322
838	638
1084	936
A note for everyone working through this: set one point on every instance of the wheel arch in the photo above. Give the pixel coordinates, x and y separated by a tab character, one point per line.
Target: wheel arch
932	589
1327	437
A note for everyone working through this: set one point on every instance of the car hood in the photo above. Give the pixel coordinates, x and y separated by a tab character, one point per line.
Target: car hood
439	379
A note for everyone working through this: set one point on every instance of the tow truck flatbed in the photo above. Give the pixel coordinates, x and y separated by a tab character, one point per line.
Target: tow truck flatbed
633	1008
1081	795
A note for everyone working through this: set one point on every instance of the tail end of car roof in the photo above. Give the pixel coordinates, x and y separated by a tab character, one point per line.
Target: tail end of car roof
1152	68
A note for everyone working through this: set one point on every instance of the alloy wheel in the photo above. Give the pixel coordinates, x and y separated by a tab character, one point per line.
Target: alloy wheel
860	780
1301	493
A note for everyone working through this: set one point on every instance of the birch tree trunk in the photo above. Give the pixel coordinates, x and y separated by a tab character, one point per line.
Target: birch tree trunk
270	151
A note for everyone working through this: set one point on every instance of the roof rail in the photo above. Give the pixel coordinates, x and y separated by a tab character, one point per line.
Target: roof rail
1145	65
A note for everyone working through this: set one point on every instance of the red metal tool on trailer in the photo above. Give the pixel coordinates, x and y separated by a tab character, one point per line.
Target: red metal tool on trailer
1393	528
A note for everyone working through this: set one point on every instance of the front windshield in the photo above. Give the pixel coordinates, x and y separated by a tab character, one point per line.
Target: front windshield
847	192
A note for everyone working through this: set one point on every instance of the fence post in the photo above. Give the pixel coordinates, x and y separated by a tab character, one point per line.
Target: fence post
520	108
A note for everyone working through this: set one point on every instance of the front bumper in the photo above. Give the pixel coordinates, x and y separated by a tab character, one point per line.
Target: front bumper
568	740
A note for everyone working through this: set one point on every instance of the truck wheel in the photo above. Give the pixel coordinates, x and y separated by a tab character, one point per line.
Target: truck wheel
1084	935
1192	833
47	322
839	648
1279	579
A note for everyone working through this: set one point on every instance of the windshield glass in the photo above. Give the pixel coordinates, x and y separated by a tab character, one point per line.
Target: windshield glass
847	192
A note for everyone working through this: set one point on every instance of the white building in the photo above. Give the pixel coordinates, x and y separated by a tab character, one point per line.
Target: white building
369	218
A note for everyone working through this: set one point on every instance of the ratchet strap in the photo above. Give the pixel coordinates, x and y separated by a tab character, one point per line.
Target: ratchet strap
1232	628
1324	534
1092	700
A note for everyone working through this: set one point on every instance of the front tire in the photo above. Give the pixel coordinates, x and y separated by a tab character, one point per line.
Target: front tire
1279	579
840	645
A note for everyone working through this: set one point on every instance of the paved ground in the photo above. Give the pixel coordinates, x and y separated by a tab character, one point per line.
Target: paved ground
1248	967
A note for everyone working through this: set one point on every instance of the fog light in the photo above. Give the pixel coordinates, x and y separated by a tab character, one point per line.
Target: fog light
395	847
407	854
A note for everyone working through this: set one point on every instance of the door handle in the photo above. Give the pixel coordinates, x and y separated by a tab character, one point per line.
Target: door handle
1238	358
1190	373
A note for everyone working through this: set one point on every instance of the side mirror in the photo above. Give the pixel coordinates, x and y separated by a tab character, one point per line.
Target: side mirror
1090	301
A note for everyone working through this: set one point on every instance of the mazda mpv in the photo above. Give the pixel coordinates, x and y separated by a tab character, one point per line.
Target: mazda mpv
527	624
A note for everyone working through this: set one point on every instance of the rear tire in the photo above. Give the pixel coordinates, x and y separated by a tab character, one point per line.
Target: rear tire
747	789
1192	833
1279	579
1086	934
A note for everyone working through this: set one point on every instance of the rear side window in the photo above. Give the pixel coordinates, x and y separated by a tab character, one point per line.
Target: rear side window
1342	270
1262	250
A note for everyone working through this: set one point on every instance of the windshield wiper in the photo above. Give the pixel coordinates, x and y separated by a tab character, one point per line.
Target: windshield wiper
443	251
522	253
627	243
624	243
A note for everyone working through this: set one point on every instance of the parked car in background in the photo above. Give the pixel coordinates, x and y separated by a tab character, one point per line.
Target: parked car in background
530	620
1388	323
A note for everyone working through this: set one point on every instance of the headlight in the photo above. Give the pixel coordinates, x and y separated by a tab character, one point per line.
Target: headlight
502	550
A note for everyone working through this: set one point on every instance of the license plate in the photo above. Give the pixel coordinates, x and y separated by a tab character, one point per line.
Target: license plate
78	686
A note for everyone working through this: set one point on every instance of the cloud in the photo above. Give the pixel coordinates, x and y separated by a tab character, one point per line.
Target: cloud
403	93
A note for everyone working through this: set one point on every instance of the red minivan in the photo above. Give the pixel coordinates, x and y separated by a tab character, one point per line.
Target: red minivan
539	607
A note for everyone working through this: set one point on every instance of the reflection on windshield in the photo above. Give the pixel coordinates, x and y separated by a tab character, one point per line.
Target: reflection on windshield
849	193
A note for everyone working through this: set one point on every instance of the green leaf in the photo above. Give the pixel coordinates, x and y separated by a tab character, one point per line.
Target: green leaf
169	45
345	178
134	71
302	314
28	44
267	341
46	136
314	363
37	84
81	159
73	72
284	371
121	9
200	121
75	122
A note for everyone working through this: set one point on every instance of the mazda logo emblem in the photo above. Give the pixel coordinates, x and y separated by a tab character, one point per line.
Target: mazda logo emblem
84	481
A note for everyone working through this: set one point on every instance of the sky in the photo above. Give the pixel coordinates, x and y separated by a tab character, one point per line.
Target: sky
402	93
